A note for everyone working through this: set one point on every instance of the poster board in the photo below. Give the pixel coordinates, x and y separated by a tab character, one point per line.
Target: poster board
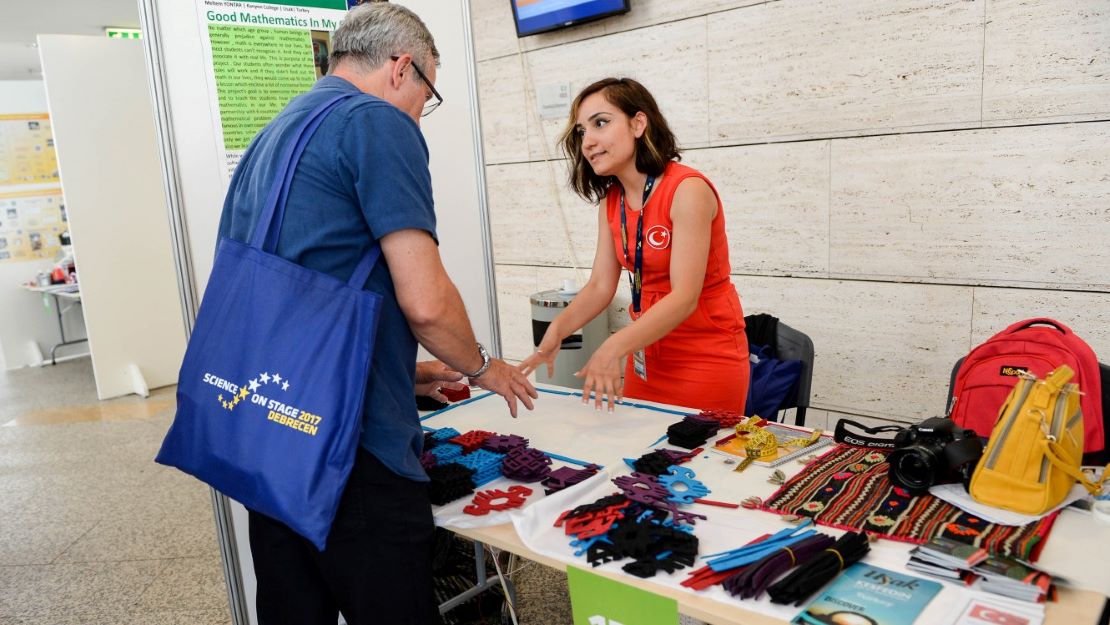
32	210
27	150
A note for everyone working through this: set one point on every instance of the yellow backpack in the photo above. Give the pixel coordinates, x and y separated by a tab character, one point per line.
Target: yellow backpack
1035	450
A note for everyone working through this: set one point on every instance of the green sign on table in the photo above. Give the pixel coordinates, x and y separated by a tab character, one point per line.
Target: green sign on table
597	600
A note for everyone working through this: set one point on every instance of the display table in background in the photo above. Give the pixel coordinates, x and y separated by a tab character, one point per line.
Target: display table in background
69	293
560	424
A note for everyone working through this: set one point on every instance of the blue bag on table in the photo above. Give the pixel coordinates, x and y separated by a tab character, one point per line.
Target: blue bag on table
270	394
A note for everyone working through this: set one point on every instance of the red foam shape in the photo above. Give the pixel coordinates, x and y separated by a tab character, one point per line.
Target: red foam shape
592	523
471	440
490	500
595	526
705	576
454	396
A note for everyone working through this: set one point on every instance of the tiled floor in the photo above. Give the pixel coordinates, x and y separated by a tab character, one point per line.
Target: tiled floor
93	532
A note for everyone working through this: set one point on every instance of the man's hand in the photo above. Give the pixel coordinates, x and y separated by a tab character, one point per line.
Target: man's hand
433	375
508	382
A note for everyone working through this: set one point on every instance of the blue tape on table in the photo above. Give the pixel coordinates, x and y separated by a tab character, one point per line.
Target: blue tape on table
619	403
455	405
554	456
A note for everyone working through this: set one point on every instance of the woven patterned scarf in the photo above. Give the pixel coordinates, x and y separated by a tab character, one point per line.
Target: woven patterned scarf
848	488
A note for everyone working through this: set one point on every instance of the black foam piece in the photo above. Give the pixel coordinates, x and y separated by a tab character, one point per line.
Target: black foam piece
449	482
690	432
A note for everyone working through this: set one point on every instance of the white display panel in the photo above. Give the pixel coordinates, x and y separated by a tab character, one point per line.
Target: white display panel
107	154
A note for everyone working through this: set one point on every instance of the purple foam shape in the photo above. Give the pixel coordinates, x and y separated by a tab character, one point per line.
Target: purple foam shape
428	460
504	443
642	488
565	477
526	465
676	456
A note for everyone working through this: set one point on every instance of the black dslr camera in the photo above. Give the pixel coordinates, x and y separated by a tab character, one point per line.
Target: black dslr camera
934	451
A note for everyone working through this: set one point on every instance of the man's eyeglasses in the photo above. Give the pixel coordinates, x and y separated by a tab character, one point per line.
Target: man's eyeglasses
432	102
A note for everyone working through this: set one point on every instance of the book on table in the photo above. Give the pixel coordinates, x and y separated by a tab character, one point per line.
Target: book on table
865	593
793	442
958	562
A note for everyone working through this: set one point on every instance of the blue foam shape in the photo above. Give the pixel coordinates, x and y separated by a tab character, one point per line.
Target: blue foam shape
443	434
583	544
483	481
482	458
447	452
682	475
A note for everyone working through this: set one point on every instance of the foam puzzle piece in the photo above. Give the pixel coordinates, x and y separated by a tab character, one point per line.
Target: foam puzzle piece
489	500
691	432
525	464
446	452
724	418
504	443
642	488
449	482
445	434
456	396
472	440
486	465
682	485
565	477
428	460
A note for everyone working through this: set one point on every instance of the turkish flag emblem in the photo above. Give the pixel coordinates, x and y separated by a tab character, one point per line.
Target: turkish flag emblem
658	237
991	615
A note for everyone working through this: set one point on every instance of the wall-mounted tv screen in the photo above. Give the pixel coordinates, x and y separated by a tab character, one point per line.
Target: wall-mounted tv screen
538	16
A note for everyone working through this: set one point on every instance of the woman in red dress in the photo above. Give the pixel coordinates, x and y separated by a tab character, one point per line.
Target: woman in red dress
664	223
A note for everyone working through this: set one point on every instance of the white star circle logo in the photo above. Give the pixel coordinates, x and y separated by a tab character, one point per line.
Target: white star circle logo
658	237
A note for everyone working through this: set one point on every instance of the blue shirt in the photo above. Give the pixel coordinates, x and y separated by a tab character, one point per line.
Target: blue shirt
363	175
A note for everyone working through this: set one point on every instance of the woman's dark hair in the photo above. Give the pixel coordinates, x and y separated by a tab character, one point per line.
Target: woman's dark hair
654	149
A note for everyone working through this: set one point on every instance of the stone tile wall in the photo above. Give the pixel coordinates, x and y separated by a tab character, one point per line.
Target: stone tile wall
900	179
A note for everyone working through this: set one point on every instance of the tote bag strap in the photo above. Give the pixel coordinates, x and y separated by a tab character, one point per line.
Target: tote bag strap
274	209
266	231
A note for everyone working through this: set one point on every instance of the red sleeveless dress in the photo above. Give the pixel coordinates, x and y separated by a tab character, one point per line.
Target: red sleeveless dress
702	363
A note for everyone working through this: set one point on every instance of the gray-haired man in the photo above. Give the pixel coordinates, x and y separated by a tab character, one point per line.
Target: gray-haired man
364	177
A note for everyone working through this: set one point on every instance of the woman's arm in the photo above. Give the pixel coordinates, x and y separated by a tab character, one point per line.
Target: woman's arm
692	211
587	304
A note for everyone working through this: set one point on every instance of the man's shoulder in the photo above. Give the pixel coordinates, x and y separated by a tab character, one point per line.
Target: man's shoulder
374	110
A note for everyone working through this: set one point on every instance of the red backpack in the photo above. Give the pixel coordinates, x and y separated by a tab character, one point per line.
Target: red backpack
1035	346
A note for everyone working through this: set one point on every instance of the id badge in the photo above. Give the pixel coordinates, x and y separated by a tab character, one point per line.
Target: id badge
639	364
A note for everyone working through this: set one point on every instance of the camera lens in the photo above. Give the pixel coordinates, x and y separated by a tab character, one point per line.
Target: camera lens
914	469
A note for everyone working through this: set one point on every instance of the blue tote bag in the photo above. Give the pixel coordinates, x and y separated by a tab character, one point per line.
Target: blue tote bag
270	394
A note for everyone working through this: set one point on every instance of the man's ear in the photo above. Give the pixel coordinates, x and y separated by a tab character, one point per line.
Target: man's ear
397	73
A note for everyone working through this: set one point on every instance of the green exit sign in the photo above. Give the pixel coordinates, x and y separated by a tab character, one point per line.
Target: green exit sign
123	33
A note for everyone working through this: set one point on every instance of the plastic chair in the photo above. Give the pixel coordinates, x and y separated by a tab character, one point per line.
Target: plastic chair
796	345
791	344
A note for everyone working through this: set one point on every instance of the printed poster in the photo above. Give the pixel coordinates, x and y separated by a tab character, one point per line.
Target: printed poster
30	222
260	55
27	150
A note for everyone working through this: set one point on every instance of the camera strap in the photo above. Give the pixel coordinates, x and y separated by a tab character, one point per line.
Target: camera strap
842	435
